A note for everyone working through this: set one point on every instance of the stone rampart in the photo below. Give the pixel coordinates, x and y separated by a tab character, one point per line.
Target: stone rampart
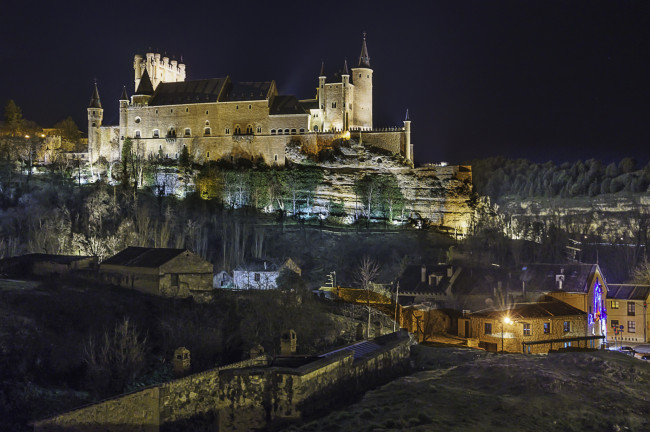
241	398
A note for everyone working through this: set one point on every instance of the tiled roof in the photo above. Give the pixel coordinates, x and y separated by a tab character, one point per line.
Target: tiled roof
542	277
94	99
248	91
189	92
286	105
308	104
628	292
543	309
411	280
259	265
143	257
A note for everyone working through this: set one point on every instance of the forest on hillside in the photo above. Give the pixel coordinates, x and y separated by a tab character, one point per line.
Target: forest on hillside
499	177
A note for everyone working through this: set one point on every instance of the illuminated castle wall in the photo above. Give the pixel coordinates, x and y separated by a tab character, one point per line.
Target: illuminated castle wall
223	119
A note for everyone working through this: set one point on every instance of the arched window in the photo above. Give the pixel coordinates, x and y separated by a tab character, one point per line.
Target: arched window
237	130
207	131
293	131
272	131
227	131
286	131
137	134
188	132
302	130
156	133
249	130
315	128
207	122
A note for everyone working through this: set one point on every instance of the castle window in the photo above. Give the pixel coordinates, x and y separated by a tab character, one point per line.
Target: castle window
272	131
333	104
137	134
171	110
208	155
302	130
227	131
279	131
275	158
286	131
259	129
237	130
322	106
94	124
359	75
156	111
206	112
187	110
293	131
137	119
236	107
250	106
188	132
207	122
176	156
156	133
207	131
315	128
367	76
249	130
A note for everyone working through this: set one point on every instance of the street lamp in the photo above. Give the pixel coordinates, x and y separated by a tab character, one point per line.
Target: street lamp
506	320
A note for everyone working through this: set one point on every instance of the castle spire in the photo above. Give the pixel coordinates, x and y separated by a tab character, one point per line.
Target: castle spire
94	99
364	58
322	68
407	115
145	87
345	68
124	96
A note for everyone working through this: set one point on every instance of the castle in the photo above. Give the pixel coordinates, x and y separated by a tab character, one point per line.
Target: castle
219	118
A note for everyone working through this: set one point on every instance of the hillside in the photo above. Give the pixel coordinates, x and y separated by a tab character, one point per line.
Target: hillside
458	389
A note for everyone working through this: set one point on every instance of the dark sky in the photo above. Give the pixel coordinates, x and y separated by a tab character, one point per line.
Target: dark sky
560	80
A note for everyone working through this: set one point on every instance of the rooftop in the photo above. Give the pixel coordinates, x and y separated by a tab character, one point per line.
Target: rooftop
143	257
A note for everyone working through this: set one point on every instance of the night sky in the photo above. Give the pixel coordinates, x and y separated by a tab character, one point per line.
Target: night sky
545	80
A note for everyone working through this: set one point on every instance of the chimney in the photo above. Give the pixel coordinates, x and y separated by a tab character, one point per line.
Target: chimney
264	265
423	277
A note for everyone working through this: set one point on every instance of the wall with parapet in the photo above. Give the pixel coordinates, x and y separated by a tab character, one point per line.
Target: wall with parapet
241	397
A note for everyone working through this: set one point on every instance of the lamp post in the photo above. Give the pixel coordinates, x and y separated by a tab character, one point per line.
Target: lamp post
506	320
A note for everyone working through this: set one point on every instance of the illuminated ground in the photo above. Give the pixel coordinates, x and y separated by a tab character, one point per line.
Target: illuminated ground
460	389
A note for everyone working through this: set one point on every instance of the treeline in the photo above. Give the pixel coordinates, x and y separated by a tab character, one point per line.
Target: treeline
499	177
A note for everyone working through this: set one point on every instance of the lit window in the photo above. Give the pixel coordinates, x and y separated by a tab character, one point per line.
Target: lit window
547	328
488	328
614	304
631	326
526	329
567	326
188	132
630	309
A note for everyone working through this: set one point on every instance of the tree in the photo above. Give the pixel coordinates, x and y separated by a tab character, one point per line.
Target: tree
127	149
13	118
367	270
70	134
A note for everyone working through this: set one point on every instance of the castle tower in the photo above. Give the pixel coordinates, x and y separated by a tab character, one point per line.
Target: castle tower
124	104
362	79
95	116
144	91
160	69
408	149
345	79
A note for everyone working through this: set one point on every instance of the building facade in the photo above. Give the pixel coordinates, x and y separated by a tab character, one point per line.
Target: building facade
220	118
628	313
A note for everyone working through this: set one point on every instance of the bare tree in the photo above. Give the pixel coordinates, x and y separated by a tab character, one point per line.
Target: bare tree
367	270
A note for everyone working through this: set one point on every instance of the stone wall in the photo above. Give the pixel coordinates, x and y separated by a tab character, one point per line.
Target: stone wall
241	398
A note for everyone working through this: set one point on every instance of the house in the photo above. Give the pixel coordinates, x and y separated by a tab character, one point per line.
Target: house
432	284
425	321
38	264
262	274
579	285
532	328
159	271
627	306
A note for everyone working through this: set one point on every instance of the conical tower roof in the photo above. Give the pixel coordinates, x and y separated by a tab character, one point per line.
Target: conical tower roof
322	68
345	68
145	87
124	96
94	99
364	58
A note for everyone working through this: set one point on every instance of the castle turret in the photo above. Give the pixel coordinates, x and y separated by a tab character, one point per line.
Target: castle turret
408	148
124	105
95	117
144	91
321	86
362	79
345	79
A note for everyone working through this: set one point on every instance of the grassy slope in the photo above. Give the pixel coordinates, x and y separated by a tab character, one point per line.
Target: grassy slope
460	389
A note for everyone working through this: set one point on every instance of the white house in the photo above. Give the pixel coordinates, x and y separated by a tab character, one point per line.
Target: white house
261	274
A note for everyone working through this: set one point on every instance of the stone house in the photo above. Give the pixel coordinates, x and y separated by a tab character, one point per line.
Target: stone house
428	284
627	306
262	274
533	328
159	271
